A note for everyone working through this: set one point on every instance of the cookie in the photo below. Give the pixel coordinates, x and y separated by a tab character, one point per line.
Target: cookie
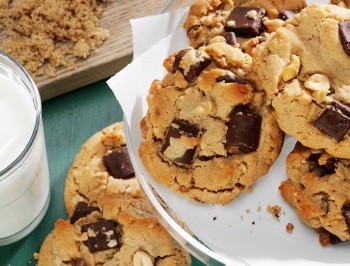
318	188
111	221
303	69
101	167
115	233
243	24
208	134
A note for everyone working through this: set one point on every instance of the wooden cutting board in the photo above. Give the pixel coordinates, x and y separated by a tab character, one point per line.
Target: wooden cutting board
111	57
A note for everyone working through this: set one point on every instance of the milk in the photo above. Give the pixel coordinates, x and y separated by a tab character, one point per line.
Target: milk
24	177
17	116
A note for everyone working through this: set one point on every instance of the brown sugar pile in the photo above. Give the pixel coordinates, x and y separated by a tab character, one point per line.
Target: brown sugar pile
44	35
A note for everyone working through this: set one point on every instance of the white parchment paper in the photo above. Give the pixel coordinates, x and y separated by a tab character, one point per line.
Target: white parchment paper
148	31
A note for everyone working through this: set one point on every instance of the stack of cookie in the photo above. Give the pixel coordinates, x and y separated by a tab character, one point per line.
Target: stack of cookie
306	81
254	71
111	222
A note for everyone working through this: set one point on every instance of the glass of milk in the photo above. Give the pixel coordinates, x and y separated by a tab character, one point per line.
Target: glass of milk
24	175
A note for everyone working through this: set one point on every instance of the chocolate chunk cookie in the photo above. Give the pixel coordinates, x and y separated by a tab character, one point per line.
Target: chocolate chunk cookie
244	24
111	221
208	134
303	68
318	188
118	232
102	167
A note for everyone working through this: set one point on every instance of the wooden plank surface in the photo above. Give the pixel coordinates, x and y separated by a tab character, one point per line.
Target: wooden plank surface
112	56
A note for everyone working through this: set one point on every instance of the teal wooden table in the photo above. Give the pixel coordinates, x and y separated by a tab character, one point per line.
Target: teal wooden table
69	120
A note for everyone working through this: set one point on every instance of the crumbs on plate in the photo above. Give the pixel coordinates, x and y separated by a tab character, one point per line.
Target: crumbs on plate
275	210
46	35
290	228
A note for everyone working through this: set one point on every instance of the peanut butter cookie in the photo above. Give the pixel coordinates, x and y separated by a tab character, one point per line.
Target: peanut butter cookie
318	188
304	70
208	134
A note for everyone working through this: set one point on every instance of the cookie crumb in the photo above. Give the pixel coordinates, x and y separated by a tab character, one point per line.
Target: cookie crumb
247	210
36	255
253	222
214	218
290	228
275	210
250	189
259	208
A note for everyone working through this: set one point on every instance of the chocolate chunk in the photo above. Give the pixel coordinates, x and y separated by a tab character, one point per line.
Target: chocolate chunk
331	91
344	35
288	14
327	237
118	163
245	21
177	130
221	6
101	236
243	129
82	210
325	203
79	262
194	70
230	38
331	164
187	157
345	211
230	78
333	239
321	170
206	158
178	58
314	157
193	28
334	121
327	169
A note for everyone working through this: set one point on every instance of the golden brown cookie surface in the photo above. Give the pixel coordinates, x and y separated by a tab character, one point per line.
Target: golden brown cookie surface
90	176
208	133
243	24
303	68
319	189
111	221
116	233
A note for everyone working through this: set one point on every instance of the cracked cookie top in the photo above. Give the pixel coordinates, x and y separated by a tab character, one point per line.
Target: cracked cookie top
319	189
111	221
304	68
243	24
101	167
208	134
117	232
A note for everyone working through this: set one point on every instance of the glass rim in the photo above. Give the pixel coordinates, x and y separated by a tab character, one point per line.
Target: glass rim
13	64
